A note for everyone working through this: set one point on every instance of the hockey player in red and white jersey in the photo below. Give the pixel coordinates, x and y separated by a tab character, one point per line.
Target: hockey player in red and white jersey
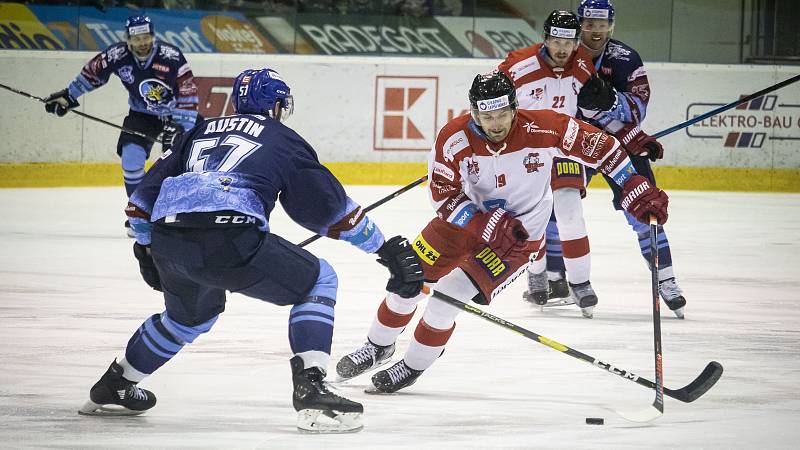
489	177
549	75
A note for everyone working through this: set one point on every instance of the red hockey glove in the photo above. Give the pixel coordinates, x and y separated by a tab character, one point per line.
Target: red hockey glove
503	233
639	143
641	199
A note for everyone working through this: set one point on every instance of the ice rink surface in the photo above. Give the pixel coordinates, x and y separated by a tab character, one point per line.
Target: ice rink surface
71	295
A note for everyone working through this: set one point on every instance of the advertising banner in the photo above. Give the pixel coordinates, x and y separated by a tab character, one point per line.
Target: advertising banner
490	37
45	27
380	109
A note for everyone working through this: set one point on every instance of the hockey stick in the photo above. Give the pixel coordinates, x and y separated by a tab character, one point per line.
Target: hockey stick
369	208
687	394
90	117
656	410
724	108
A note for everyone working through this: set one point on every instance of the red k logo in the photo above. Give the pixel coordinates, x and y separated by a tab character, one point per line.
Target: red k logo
405	112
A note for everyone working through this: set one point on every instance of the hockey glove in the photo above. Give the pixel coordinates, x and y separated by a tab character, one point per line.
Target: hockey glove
405	267
146	266
60	102
639	143
169	135
597	95
501	232
642	199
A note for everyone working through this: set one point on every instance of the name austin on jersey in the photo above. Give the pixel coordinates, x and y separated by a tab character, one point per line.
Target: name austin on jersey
242	124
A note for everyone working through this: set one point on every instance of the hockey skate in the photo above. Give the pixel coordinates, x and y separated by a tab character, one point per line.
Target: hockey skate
318	409
368	357
672	295
113	395
537	289
558	288
585	298
393	379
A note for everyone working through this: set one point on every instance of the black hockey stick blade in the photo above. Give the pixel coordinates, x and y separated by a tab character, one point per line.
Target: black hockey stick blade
694	390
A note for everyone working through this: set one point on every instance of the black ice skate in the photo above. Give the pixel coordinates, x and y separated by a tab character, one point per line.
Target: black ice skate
558	288
368	357
113	395
585	298
672	295
537	292
318	409
393	379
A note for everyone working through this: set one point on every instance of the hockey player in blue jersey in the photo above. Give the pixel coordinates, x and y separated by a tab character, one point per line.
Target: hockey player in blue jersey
161	93
201	216
616	100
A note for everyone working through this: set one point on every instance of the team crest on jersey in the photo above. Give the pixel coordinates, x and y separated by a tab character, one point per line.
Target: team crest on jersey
537	93
126	74
591	143
157	95
616	51
531	162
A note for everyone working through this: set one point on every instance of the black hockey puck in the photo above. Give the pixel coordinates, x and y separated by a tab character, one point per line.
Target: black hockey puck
594	421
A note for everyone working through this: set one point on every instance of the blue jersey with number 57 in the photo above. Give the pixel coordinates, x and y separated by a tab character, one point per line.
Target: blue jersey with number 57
245	163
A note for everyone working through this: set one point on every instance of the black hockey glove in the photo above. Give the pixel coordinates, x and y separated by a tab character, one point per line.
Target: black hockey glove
597	95
60	102
404	266
170	134
146	266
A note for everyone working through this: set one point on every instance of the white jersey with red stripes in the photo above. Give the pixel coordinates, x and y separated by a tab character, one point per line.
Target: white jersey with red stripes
468	173
540	86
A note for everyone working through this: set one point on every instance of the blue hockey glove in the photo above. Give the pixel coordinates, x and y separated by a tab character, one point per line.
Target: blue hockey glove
405	267
146	266
60	102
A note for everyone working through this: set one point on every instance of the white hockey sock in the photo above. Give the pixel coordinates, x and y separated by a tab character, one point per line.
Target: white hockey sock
129	373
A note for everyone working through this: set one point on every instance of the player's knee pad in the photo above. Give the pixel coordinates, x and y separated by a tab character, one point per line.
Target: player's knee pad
183	333
404	305
327	282
568	210
133	157
133	160
440	315
456	284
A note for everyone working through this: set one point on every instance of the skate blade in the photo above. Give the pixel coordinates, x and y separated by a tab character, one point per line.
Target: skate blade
588	312
566	301
679	313
91	408
317	421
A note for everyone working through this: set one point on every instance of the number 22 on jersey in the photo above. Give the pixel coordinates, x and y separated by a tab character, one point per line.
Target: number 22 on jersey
238	148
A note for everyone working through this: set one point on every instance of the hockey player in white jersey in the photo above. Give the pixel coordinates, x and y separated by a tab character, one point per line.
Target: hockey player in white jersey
549	75
490	189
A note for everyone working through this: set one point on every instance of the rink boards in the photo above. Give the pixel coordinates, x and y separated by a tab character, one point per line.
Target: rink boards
372	120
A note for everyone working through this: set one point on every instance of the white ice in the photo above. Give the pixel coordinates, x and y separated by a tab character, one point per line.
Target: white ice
71	295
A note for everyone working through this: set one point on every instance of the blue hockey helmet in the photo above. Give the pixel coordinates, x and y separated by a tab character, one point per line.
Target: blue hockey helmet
138	24
262	91
596	9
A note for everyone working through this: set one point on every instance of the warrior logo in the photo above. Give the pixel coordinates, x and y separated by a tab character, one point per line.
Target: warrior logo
532	163
126	74
157	95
